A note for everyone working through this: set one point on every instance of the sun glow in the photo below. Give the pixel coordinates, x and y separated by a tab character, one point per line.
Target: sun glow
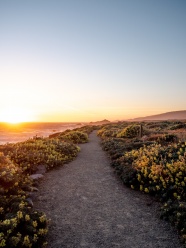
15	115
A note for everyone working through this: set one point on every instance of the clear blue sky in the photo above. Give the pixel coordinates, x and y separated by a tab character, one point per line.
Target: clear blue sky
92	59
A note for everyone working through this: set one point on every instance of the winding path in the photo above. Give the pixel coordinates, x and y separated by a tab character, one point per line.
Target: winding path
90	207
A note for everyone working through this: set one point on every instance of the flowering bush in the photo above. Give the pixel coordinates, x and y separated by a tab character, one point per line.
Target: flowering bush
111	130
156	166
129	132
160	169
107	133
75	137
20	226
33	152
178	125
87	129
9	173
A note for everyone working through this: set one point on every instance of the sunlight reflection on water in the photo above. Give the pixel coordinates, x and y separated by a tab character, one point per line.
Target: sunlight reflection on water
10	133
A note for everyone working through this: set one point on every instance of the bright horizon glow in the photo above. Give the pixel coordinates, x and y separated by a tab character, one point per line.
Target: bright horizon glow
82	61
15	115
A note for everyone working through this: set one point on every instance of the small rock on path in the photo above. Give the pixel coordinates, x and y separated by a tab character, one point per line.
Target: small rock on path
90	207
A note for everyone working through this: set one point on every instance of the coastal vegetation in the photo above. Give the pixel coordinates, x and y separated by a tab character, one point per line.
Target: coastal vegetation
75	137
154	163
148	156
20	224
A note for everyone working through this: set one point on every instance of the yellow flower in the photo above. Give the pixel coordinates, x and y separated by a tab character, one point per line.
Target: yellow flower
146	190
21	205
175	195
2	243
27	217
34	223
3	173
157	187
6	222
42	218
14	222
139	177
19	215
183	184
35	238
9	231
42	231
26	241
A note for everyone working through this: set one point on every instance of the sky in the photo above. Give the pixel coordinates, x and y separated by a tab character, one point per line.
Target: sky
88	60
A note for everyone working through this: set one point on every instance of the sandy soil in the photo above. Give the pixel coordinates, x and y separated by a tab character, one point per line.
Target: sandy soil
90	207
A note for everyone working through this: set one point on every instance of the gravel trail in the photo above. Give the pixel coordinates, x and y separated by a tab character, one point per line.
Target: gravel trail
90	207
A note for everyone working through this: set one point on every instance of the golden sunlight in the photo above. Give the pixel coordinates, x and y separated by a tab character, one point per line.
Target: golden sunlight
15	115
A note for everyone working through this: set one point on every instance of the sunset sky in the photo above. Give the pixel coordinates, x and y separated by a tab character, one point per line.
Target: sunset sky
87	60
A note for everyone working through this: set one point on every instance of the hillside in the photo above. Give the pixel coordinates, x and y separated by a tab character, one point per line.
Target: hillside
174	115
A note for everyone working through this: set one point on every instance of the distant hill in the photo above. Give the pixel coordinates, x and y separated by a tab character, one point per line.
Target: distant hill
174	115
99	122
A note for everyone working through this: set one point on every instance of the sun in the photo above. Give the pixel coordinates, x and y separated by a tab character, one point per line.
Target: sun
15	115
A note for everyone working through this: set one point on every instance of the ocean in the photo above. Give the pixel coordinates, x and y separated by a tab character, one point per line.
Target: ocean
12	133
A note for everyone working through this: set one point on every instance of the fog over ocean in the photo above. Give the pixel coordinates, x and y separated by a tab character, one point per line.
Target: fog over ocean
11	133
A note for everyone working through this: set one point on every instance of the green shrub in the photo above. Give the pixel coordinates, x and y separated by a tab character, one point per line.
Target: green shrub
178	126
76	137
20	226
167	138
40	151
129	132
156	167
103	133
158	170
87	129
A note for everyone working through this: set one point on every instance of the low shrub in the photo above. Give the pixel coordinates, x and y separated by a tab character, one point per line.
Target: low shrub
167	138
20	226
40	151
178	126
129	132
156	166
107	133
163	138
87	129
76	137
175	212
160	171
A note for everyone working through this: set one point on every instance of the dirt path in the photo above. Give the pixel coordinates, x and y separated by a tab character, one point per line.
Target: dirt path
89	207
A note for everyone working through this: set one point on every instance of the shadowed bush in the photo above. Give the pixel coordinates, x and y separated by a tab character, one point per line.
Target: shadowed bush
20	226
155	165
